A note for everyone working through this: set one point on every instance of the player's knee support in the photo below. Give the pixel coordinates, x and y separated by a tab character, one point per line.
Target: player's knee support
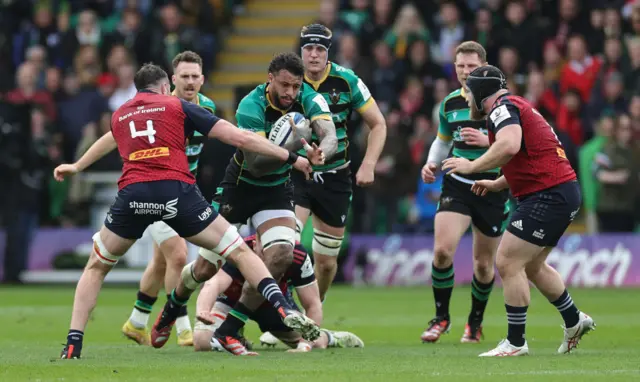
278	235
326	244
229	242
189	278
101	252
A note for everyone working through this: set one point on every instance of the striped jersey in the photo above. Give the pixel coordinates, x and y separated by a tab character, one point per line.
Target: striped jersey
344	92
196	142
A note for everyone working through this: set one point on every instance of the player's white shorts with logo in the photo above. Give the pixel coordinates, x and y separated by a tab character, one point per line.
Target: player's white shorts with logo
160	231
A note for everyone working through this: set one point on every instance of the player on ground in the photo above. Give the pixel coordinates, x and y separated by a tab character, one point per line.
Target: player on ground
150	132
259	189
169	249
539	175
328	198
459	207
224	290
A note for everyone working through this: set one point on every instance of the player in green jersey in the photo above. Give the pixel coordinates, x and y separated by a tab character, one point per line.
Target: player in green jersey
169	249
328	198
259	190
459	207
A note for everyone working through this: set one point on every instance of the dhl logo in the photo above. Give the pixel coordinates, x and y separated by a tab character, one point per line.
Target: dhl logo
149	153
561	153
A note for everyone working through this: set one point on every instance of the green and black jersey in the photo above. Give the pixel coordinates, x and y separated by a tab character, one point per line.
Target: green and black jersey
344	92
196	142
257	113
454	116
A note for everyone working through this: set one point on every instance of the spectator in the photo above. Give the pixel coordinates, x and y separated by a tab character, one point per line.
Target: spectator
375	28
582	69
131	36
617	173
41	32
632	71
451	33
420	65
609	99
482	32
126	88
569	114
519	32
27	91
357	16
407	28
387	77
172	38
86	33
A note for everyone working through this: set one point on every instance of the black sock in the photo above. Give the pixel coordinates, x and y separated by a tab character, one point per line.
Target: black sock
172	308
183	308
479	298
517	320
74	338
235	321
269	288
144	302
442	282
568	310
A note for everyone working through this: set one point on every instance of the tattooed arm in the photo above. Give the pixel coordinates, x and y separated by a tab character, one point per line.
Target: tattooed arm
326	132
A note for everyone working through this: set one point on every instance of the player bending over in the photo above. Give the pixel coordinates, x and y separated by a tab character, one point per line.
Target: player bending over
459	207
328	197
169	249
540	177
258	188
225	288
150	132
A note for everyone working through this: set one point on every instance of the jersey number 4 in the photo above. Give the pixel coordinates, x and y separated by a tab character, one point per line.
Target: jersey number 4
150	132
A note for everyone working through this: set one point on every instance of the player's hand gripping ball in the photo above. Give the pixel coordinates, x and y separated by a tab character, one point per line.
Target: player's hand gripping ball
288	131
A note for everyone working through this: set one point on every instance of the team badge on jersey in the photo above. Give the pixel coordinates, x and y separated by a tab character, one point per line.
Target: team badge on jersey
334	96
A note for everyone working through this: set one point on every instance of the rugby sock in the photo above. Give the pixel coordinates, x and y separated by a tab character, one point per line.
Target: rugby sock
141	310
271	291
74	338
568	310
442	282
172	309
331	340
235	321
182	322
479	298
517	320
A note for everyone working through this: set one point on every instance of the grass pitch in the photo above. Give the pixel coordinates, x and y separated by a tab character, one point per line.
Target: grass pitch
34	322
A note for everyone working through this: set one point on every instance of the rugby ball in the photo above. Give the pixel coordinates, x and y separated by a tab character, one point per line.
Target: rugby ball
282	134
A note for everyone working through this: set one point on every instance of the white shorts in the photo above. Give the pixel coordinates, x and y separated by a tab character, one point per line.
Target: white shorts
160	231
263	216
220	311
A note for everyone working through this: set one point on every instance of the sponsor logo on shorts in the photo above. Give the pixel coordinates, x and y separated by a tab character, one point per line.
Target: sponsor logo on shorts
539	234
149	153
169	209
109	218
517	224
205	215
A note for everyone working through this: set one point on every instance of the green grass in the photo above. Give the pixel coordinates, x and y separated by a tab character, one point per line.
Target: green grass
34	323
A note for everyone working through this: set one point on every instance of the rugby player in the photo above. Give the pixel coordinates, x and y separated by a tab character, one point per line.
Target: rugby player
459	207
328	198
150	132
258	188
169	249
540	177
219	295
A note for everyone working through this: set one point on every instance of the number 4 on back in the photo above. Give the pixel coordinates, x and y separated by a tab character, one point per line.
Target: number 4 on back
149	132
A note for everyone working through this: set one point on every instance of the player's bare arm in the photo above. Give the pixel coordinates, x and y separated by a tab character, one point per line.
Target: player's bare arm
208	294
99	149
482	187
507	144
325	130
374	119
309	296
248	141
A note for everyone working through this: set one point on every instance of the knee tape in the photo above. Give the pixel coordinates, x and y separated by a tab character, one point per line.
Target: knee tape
278	235
229	242
299	228
101	251
325	244
188	278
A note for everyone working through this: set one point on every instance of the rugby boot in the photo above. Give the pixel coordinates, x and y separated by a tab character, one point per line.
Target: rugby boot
436	328
573	335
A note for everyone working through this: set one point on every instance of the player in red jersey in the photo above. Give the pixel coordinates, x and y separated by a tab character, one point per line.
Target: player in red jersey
539	175
218	296
150	132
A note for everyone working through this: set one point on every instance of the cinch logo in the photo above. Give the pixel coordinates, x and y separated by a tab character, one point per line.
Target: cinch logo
149	153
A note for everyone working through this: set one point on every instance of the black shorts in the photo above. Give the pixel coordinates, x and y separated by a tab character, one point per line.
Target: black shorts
179	204
327	196
542	217
238	201
488	213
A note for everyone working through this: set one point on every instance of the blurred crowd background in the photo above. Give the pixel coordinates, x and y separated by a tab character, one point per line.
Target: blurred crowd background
68	64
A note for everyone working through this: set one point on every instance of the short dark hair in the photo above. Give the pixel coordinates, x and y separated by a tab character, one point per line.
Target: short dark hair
149	75
186	56
288	61
469	47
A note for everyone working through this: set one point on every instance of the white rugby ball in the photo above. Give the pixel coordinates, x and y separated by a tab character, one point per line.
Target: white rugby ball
282	132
